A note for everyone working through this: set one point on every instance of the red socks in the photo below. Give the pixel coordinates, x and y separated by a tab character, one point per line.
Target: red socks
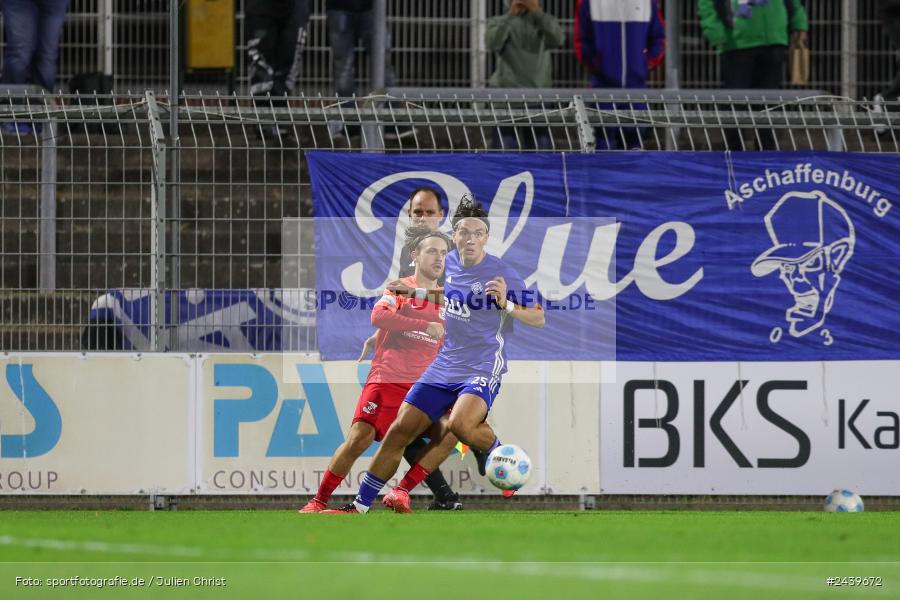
414	477
330	481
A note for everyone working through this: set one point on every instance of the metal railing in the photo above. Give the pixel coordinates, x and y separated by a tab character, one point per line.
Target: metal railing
134	208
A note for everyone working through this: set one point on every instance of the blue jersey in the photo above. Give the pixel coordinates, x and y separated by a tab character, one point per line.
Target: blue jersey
476	329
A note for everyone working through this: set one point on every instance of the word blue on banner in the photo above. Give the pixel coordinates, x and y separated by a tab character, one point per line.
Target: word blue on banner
703	256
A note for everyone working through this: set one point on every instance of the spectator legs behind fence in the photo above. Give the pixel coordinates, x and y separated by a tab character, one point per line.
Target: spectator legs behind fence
753	68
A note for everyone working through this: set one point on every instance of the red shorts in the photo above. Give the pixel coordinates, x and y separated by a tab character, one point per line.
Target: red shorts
378	405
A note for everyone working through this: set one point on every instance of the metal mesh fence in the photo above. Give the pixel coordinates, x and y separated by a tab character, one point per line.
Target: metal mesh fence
75	202
441	43
100	207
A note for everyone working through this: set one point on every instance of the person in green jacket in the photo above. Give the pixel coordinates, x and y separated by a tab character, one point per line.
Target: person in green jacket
521	40
753	36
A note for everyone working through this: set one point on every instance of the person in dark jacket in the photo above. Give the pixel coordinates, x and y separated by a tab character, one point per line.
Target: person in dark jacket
752	36
618	42
276	35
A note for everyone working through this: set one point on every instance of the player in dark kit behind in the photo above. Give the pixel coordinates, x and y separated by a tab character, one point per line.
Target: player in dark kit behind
409	335
482	296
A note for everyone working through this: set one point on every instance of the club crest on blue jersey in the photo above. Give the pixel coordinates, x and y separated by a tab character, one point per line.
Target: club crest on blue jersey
475	337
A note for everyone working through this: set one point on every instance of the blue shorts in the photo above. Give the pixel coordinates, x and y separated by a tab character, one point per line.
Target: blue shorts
435	399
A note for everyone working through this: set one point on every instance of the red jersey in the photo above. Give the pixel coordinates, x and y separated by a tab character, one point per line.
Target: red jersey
402	348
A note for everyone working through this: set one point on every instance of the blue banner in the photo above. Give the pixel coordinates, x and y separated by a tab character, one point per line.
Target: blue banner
208	320
696	256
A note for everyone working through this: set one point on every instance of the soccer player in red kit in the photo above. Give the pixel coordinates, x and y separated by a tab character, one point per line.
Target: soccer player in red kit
425	209
410	332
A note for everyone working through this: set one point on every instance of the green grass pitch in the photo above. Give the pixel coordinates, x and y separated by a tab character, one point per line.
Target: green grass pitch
469	554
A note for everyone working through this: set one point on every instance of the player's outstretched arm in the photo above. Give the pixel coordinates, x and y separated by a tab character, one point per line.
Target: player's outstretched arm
367	347
434	295
384	317
532	316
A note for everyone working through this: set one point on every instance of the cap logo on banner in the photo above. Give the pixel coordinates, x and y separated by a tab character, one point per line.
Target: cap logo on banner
812	241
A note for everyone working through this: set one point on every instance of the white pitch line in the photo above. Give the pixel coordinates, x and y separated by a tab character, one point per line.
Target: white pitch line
669	573
99	546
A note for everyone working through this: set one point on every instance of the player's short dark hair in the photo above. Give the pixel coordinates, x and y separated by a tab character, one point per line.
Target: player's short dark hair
430	190
419	233
469	208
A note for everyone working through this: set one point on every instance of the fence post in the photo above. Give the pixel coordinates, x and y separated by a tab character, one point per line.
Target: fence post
379	37
848	49
158	235
673	45
174	249
372	131
834	135
47	258
478	53
673	63
106	37
585	131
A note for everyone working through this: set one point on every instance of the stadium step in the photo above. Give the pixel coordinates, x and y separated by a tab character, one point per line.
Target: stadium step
30	306
29	337
27	319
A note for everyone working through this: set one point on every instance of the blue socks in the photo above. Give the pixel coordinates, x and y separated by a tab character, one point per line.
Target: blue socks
495	445
370	487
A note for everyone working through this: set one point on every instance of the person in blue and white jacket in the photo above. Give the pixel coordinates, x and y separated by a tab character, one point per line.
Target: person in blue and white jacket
619	42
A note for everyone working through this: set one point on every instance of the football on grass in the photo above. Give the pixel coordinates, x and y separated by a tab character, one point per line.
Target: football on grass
843	501
508	467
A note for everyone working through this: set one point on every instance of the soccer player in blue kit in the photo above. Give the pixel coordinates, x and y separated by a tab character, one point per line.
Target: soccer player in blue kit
482	295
